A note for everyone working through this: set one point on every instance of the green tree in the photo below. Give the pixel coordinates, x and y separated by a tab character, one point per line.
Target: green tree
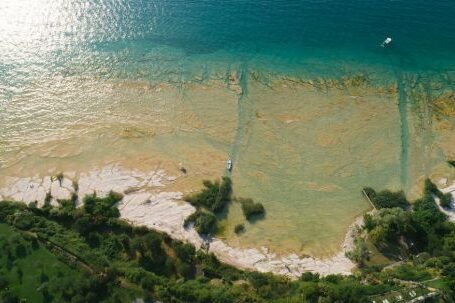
360	253
446	200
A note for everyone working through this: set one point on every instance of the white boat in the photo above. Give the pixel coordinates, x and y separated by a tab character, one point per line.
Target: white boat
386	42
229	165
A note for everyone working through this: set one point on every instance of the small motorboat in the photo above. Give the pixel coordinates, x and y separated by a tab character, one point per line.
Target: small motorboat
386	42
229	165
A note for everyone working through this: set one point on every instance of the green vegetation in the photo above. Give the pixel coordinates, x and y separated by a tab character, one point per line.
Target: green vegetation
204	222
445	200
250	208
75	185
214	196
212	199
386	198
360	254
239	228
59	177
26	266
451	162
48	198
422	240
87	254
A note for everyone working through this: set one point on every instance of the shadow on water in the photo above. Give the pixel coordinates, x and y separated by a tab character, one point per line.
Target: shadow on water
255	218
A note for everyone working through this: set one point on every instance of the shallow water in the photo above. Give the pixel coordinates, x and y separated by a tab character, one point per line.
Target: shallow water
298	93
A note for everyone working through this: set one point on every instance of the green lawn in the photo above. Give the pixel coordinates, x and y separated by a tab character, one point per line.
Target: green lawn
38	264
376	258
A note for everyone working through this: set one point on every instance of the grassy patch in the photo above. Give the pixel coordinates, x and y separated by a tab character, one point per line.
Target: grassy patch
35	266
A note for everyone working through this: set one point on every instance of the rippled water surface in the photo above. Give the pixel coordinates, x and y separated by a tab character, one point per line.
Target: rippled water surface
298	93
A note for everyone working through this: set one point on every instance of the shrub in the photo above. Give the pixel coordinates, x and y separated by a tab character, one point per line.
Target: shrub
451	162
251	208
75	186
389	226
239	228
427	213
184	251
204	222
114	197
309	277
48	198
214	196
370	192
386	198
446	200
101	209
74	198
431	188
360	253
59	178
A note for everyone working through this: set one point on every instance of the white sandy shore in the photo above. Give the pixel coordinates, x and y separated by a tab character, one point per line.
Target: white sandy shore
147	203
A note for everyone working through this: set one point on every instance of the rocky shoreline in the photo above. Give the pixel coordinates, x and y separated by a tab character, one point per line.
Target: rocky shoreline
147	203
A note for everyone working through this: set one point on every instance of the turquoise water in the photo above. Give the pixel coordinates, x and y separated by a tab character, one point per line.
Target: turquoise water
171	38
80	80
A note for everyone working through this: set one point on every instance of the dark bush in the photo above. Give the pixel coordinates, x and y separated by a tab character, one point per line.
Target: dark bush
184	251
446	200
386	198
204	222
431	188
239	228
48	199
60	178
251	208
309	277
214	196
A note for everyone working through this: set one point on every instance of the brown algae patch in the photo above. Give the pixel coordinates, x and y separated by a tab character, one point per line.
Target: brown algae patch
445	104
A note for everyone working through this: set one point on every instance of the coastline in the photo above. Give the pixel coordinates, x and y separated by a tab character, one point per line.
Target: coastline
145	203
